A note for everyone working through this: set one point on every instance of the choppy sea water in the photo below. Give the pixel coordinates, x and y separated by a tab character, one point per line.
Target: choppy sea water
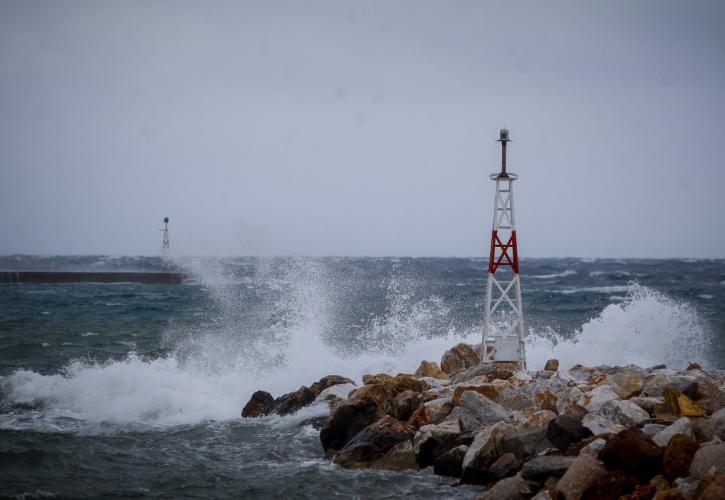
128	390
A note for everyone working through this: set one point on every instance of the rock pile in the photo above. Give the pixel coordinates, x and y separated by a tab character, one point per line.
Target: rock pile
587	432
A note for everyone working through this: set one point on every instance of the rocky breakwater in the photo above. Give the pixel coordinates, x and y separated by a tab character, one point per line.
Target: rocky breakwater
588	432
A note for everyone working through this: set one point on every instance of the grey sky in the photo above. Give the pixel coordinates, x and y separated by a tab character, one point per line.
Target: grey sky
361	128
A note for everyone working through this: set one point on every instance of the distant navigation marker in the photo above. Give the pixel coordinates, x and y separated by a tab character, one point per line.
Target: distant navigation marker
165	247
503	326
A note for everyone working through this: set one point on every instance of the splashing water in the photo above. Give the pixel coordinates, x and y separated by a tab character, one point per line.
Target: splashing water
214	368
646	329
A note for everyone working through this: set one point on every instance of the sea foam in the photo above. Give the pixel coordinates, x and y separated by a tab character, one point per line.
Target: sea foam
211	377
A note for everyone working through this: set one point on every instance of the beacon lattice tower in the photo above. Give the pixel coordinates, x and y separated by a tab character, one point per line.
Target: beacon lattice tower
165	246
503	327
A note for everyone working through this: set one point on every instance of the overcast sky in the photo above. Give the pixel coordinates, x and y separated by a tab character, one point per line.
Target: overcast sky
361	128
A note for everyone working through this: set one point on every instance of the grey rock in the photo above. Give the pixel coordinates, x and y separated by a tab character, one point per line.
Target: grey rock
540	468
472	372
483	451
709	460
450	463
584	472
679	426
431	441
593	400
399	458
506	489
373	442
565	430
599	425
477	410
404	404
624	413
506	465
525	443
651	429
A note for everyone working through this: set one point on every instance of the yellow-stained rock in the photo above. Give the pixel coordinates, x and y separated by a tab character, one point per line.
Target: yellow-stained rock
490	390
430	369
678	404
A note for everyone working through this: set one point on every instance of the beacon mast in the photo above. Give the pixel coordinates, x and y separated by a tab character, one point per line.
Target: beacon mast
503	326
165	247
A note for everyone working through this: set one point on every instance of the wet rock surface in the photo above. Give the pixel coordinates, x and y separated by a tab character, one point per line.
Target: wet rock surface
373	442
588	432
459	357
261	403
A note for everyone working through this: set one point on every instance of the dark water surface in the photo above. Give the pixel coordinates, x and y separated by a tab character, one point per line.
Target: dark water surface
128	390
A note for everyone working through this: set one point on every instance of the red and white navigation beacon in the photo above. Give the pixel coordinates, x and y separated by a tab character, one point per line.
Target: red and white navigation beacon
503	327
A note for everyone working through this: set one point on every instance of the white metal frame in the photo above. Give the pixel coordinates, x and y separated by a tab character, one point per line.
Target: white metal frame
505	295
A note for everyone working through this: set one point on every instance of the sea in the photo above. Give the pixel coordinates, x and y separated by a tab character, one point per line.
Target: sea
134	390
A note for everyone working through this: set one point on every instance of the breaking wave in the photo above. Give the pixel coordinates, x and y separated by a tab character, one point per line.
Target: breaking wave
209	375
645	329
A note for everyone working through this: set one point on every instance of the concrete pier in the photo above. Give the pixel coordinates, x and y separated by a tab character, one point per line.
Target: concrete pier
90	277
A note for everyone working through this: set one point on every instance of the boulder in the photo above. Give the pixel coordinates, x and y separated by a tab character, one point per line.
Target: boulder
563	431
477	410
632	452
648	404
293	401
432	412
670	494
678	456
450	463
592	446
615	484
431	441
477	371
710	395
651	429
261	403
316	423
540	418
623	412
346	421
583	473
678	404
713	488
459	357
551	365
660	482
399	383
593	400
507	489
341	391
329	381
525	443
404	404
599	425
380	394
540	468
655	383
641	492
626	382
680	426
488	389
399	458
430	369
373	442
708	460
505	466
717	424
483	451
